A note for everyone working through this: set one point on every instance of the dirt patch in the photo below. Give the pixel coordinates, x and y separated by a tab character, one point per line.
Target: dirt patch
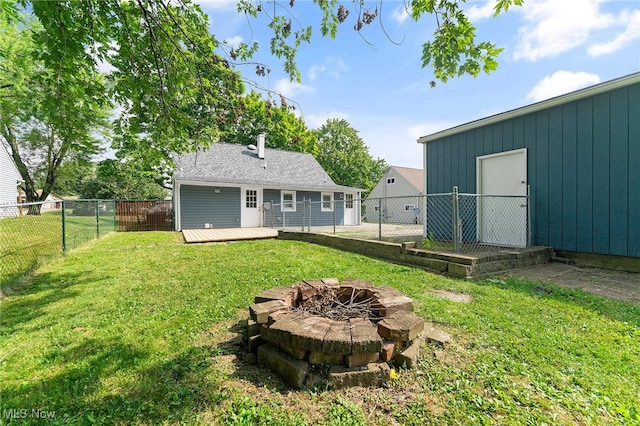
619	285
454	297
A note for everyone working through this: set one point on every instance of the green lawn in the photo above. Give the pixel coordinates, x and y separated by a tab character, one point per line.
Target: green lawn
140	328
29	241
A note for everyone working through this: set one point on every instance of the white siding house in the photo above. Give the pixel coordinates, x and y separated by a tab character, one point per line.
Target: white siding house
9	179
396	197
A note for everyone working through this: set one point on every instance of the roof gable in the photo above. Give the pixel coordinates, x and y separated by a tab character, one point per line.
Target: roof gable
7	161
415	177
230	163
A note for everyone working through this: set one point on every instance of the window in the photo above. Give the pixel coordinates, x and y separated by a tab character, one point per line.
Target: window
409	207
288	201
376	208
348	201
327	202
251	199
391	180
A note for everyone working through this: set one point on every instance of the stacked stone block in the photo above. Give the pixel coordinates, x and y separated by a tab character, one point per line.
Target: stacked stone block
301	347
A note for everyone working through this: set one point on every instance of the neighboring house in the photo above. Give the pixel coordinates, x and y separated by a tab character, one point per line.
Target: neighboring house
52	202
9	181
579	154
396	197
229	186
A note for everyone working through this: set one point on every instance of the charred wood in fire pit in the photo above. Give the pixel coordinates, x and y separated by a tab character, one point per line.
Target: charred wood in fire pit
329	302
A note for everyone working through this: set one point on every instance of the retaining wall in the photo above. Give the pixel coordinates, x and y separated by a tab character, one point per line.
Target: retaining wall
458	265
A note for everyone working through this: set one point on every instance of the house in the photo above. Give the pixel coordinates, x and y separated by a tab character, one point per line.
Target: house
9	180
231	186
52	202
578	154
396	197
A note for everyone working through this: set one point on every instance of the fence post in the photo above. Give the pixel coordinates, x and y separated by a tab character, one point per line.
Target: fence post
425	220
333	208
272	213
97	218
380	219
529	216
456	219
64	230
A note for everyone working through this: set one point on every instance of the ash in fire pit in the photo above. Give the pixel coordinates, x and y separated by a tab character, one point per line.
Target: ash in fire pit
352	327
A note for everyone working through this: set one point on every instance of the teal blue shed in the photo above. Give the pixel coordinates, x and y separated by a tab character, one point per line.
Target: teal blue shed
581	155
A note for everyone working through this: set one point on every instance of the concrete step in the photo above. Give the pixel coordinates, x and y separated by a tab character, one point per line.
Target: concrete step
563	260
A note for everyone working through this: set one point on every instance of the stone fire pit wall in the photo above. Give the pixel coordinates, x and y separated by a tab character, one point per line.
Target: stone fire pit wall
323	330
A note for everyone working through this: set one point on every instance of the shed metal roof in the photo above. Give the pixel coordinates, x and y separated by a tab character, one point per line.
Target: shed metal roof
238	164
549	103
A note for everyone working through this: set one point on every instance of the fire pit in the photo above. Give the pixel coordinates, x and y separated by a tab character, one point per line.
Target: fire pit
343	333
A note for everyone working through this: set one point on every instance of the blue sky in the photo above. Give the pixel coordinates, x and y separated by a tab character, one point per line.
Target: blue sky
551	47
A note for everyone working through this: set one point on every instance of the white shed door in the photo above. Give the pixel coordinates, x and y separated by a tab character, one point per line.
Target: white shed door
250	210
349	210
502	221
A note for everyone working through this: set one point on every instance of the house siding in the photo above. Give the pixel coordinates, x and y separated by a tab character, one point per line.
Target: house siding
583	166
318	217
392	208
201	205
9	178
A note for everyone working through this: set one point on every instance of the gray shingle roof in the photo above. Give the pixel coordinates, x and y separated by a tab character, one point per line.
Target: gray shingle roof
414	176
230	163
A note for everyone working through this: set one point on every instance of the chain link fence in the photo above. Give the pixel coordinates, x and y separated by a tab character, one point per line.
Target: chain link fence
32	234
451	222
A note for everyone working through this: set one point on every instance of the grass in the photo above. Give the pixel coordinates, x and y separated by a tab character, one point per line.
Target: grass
29	241
138	328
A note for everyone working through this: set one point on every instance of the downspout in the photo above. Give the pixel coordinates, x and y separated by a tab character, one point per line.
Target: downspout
176	206
425	191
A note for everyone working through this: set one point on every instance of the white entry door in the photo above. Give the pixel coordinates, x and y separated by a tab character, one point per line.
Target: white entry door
250	214
502	221
349	210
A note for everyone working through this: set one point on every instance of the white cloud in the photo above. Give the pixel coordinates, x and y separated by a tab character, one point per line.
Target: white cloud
219	5
233	41
315	120
335	65
393	143
630	34
417	131
400	13
555	26
395	138
315	71
483	11
290	89
561	82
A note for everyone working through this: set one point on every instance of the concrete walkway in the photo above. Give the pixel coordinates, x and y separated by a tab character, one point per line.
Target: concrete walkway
624	286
